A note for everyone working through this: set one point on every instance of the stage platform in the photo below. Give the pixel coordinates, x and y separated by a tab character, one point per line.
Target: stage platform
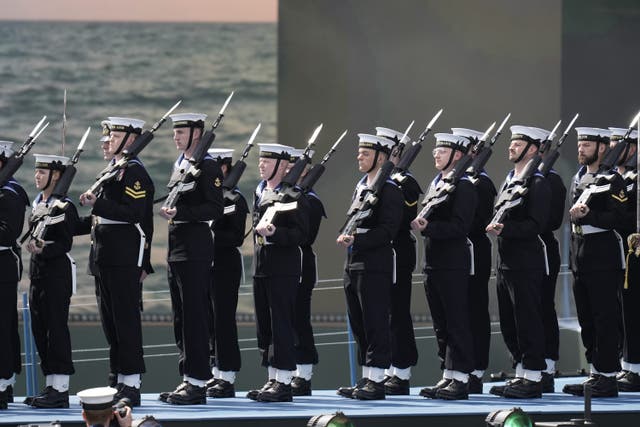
406	411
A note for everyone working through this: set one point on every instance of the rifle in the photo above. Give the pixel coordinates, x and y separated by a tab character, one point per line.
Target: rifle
482	153
184	180
512	195
550	157
41	217
111	171
318	169
232	179
407	159
275	200
443	190
601	181
14	162
287	189
362	206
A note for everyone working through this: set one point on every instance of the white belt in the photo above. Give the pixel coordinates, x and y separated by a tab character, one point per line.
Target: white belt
361	230
73	274
546	258
586	229
472	268
106	221
190	222
4	248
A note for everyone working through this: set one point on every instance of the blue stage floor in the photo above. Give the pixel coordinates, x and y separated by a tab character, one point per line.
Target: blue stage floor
326	401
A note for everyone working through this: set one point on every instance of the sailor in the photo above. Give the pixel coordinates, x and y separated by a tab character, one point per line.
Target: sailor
479	318
306	352
123	226
98	408
83	227
521	266
52	273
226	274
404	352
597	261
629	377
548	295
448	261
277	275
369	270
13	202
190	256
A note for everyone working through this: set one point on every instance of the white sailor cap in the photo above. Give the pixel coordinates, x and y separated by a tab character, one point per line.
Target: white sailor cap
125	124
529	134
547	133
378	143
188	120
97	398
394	135
6	149
618	133
106	131
223	155
472	135
275	151
296	153
593	134
456	142
49	161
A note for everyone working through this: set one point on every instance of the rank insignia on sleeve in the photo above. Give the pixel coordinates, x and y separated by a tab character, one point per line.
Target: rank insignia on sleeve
217	182
410	204
621	197
137	186
140	194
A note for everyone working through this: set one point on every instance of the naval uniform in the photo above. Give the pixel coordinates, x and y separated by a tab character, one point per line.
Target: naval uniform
52	274
122	229
447	267
368	276
556	215
404	352
226	274
521	268
190	257
631	289
277	276
13	202
597	263
479	317
306	353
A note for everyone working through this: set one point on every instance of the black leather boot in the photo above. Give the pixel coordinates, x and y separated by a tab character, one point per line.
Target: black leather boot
51	398
523	389
498	390
630	381
431	391
474	386
280	392
548	383
371	390
253	394
348	391
455	390
396	386
221	389
189	395
300	386
131	393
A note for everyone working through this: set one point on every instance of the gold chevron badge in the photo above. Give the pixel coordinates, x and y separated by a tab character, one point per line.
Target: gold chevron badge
135	194
622	197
